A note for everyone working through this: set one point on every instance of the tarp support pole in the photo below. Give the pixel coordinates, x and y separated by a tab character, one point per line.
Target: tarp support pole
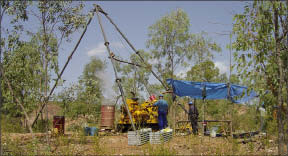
204	96
203	111
231	110
174	116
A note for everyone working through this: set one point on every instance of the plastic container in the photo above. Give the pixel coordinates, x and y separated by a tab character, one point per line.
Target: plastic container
213	132
90	131
93	131
138	137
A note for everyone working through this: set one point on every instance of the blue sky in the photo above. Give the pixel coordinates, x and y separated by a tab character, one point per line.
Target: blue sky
134	18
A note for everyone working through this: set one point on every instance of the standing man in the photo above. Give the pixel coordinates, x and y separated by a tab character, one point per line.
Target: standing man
193	117
162	112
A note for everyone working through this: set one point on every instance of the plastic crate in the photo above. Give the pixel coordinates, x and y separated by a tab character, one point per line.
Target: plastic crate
138	137
159	137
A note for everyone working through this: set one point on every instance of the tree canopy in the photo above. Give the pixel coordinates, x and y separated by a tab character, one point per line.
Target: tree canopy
261	52
173	45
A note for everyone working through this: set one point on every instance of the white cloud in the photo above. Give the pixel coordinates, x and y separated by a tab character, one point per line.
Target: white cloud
222	67
100	48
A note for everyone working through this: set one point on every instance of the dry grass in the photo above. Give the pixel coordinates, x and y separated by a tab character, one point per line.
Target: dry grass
77	144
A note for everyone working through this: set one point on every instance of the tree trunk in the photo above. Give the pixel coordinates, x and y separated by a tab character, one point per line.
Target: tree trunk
41	91
46	63
286	68
287	104
280	85
16	99
1	99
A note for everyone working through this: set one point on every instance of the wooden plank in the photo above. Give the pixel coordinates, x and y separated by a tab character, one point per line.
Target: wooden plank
183	121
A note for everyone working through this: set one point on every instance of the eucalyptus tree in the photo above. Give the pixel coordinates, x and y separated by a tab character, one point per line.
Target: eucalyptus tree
56	20
85	96
22	70
66	97
173	45
16	12
135	76
17	9
260	33
207	71
211	73
92	84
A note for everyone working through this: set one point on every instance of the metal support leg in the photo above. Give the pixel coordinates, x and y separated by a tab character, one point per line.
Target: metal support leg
114	68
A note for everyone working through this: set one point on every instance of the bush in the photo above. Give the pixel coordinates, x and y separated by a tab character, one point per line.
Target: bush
40	126
12	125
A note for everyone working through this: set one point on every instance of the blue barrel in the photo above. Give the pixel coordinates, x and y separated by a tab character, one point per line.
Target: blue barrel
93	131
87	131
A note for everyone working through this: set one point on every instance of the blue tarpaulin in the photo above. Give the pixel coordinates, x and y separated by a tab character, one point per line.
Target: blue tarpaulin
211	91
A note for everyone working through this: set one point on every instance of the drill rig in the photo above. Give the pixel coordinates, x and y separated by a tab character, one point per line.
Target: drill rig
143	115
132	113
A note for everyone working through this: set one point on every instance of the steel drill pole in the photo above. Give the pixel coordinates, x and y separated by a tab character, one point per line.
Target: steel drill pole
134	49
118	81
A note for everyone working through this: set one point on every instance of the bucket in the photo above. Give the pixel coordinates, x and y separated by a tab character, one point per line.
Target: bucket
90	131
59	124
107	116
214	130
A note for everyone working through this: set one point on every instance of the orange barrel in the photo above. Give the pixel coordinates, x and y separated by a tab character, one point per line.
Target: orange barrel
107	116
59	123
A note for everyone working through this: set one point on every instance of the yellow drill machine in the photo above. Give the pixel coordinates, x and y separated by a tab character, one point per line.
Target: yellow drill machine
143	115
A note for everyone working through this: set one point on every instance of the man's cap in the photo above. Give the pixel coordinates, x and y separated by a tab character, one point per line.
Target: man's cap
160	95
190	103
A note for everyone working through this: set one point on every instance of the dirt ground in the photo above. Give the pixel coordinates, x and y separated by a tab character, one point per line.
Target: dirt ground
78	144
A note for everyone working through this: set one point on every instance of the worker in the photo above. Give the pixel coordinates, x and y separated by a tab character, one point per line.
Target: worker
162	112
193	117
